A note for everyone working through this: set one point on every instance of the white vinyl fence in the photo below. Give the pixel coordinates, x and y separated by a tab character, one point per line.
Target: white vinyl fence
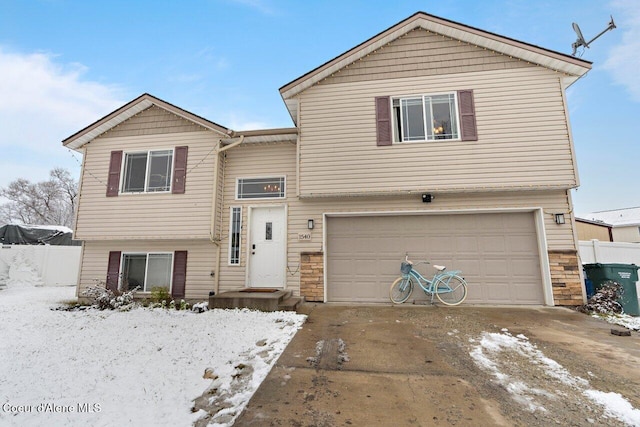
44	265
595	251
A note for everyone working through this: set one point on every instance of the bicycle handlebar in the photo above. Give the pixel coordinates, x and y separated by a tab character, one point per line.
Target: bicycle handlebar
407	260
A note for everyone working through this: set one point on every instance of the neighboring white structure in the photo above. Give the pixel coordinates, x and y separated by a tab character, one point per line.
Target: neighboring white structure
44	265
625	223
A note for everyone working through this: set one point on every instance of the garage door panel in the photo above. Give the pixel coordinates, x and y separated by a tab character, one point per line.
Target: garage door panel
476	294
410	245
524	270
498	253
488	221
525	292
496	268
516	223
466	244
469	267
492	244
498	293
521	244
439	244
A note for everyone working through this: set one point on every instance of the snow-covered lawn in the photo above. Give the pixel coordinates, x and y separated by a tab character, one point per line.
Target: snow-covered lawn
142	367
534	380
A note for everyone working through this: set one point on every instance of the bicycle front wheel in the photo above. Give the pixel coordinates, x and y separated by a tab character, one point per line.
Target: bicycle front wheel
401	289
451	290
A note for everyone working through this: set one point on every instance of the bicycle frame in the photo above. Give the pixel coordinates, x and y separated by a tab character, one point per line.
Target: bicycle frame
433	286
448	286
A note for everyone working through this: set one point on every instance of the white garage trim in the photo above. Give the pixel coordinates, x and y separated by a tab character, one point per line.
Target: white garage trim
545	273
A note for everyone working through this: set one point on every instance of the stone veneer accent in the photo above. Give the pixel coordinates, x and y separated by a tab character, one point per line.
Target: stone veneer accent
565	278
312	276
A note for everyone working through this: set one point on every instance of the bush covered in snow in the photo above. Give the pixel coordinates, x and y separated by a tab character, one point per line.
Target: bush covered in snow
605	300
104	298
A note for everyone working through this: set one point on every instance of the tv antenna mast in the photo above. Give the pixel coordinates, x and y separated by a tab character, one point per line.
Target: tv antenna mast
582	42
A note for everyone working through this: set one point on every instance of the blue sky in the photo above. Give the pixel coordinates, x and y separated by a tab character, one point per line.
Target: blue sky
66	63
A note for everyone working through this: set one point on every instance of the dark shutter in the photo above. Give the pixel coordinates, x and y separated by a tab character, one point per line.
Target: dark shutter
468	128
383	121
113	181
113	270
179	274
179	170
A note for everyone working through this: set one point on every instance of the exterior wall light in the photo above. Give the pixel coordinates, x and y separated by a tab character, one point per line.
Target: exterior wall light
310	224
559	217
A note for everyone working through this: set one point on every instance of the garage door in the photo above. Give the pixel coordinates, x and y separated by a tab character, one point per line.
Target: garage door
498	253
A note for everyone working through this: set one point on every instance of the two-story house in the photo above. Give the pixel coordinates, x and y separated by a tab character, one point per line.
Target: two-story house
431	138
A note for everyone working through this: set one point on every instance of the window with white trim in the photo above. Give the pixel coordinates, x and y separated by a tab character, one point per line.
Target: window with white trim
146	271
147	171
261	188
425	118
235	234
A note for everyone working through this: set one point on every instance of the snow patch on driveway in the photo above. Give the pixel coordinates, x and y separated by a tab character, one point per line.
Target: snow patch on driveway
536	381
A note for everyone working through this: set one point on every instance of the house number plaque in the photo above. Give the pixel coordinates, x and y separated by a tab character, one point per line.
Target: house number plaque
304	236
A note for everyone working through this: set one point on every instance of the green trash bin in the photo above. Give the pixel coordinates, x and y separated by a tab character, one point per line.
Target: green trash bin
625	274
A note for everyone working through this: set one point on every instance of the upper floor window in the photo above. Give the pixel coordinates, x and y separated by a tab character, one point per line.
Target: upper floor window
148	171
261	188
425	118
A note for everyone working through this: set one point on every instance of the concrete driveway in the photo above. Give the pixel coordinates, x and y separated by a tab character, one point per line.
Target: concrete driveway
411	365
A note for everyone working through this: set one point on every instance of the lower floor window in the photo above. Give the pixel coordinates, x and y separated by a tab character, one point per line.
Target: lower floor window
146	271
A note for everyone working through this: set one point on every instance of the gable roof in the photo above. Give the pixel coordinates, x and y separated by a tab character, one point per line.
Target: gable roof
617	217
573	68
130	109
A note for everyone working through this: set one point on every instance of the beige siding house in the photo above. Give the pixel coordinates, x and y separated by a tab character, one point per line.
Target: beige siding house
590	230
432	138
624	224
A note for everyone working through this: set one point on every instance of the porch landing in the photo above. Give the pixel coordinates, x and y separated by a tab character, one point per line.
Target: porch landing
256	299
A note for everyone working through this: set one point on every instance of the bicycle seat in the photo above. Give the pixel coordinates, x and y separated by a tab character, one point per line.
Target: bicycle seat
439	267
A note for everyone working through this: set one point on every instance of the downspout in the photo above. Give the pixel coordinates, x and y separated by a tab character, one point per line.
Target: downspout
214	207
75	220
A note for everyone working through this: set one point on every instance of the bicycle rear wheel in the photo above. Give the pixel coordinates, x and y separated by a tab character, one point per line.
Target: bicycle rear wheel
451	290
401	289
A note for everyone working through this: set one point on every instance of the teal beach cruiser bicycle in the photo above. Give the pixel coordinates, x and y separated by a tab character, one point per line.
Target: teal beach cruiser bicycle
448	286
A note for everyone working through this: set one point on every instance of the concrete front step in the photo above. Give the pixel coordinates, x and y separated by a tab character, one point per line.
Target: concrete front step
290	304
256	300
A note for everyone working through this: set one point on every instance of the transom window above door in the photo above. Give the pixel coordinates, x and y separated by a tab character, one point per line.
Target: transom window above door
147	171
425	118
260	188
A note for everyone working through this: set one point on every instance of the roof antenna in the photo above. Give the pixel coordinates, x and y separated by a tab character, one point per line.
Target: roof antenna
582	42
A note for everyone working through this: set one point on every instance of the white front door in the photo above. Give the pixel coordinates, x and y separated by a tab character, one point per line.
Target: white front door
267	247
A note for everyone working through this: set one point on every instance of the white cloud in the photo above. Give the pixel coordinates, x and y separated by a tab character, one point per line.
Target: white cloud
43	102
624	60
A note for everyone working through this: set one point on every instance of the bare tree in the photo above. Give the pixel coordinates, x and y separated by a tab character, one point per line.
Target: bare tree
50	202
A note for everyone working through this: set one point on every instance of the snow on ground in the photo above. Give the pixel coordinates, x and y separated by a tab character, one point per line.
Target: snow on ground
496	353
142	367
629	322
